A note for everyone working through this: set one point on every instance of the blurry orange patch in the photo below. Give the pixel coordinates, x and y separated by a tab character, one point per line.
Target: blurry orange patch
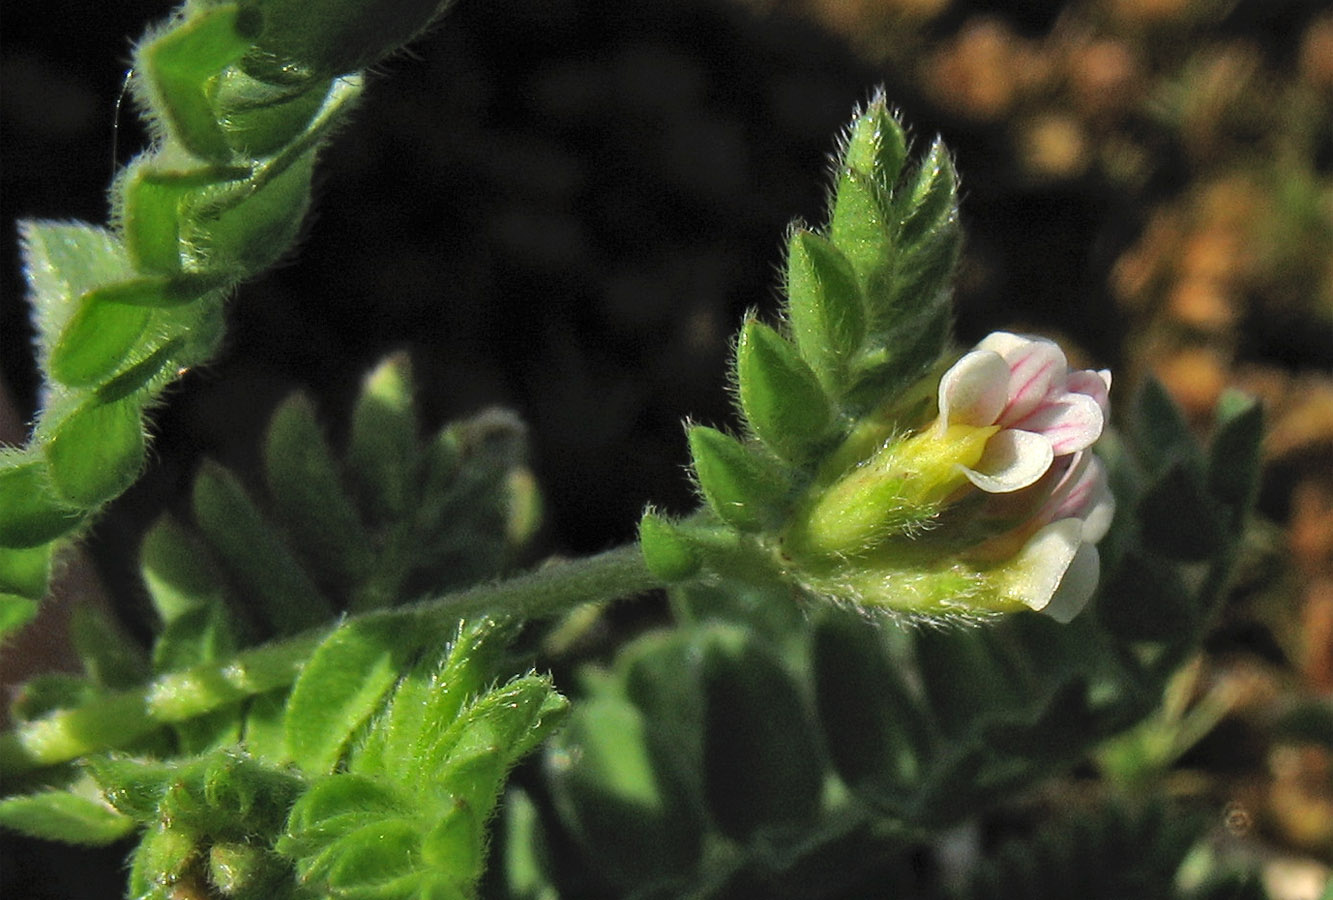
1053	145
1301	798
1104	76
977	73
1201	304
1316	54
1317	630
1149	12
1196	377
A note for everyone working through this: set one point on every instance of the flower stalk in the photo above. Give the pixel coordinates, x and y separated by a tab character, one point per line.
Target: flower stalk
120	718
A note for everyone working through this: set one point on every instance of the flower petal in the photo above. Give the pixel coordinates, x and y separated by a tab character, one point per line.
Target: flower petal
1037	368
1097	520
1033	576
1013	460
1071	423
1077	585
1096	385
1003	343
974	390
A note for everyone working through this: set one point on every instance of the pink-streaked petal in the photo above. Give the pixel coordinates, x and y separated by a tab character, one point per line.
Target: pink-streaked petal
1035	574
974	390
1082	493
1013	460
1069	472
1077	586
1096	385
1036	370
1071	423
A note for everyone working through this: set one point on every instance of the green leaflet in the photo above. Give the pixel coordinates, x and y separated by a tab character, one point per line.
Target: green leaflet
742	487
177	572
667	550
308	495
63	262
342	684
859	224
162	860
180	62
31	513
65	817
429	701
1161	434
383	451
85	480
260	118
825	307
255	553
242	229
876	143
780	395
604	786
24	571
878	738
490	735
763	764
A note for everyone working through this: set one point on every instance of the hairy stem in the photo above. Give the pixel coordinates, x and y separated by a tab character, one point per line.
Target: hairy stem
118	719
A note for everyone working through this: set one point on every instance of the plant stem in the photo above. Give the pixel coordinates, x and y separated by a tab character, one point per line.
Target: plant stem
115	720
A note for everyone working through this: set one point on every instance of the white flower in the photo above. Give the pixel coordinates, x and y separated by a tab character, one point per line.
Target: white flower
1024	387
997	506
1048	417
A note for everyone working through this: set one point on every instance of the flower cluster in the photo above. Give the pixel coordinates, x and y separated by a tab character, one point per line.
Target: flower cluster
997	504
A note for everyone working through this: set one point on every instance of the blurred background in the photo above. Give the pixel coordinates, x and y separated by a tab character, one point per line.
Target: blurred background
564	207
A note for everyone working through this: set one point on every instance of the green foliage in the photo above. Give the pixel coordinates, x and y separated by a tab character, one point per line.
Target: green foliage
668	554
250	569
744	488
240	97
752	748
866	316
757	748
1112	854
265	794
779	393
65	816
407	816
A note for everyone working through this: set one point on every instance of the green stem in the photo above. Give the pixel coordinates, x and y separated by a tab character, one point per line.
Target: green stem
116	720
